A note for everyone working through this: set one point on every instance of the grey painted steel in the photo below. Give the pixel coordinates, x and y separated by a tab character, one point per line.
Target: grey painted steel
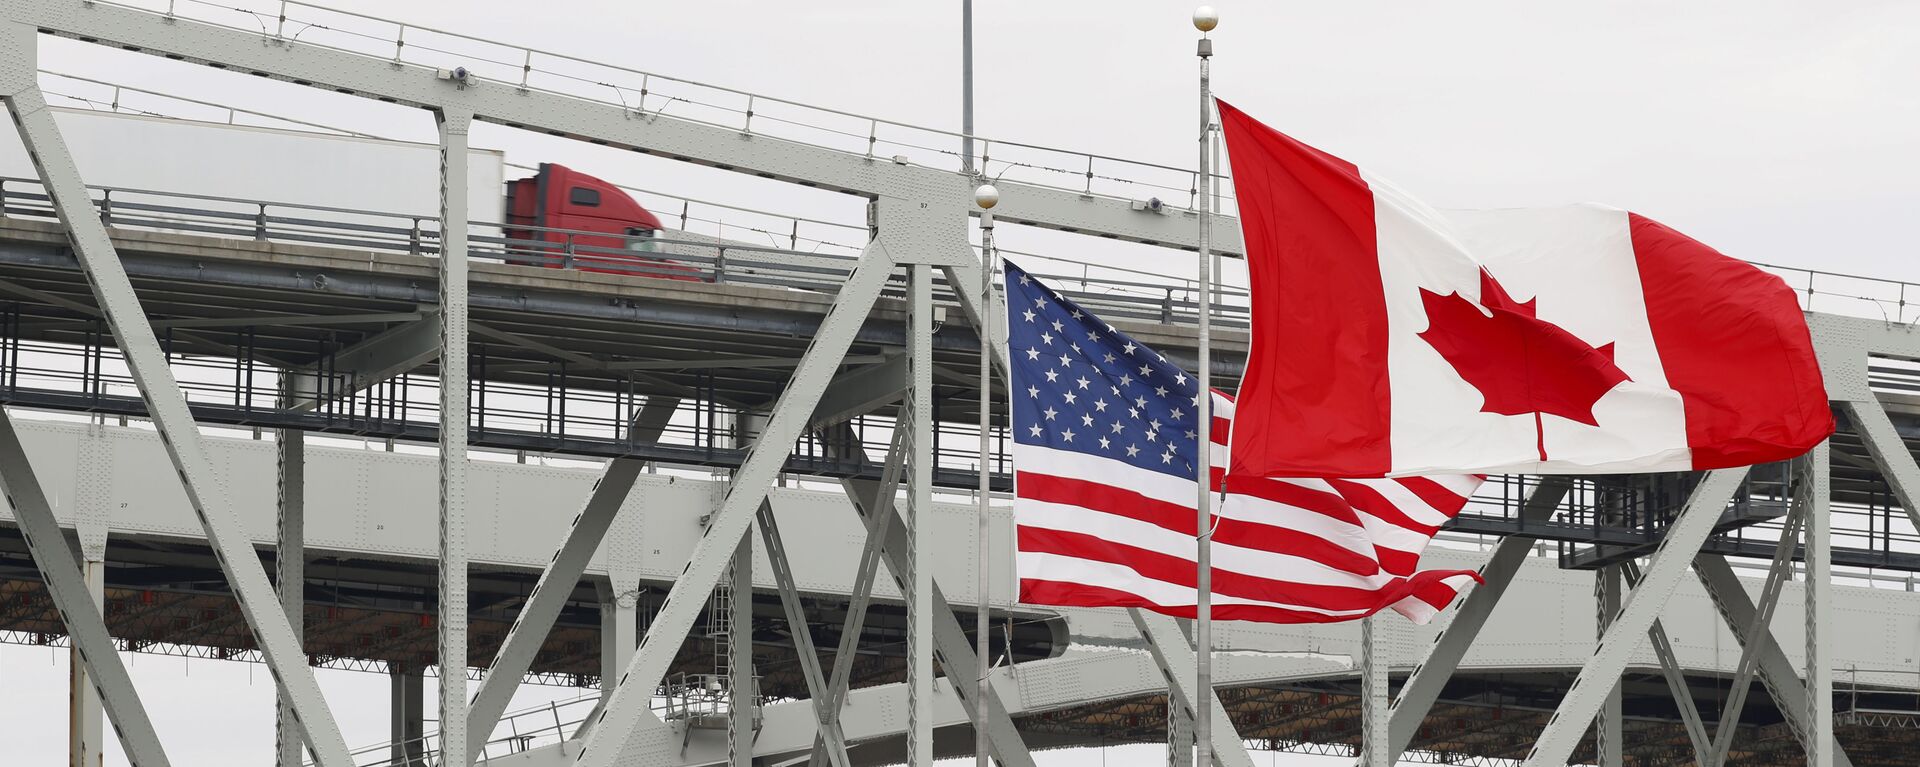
1889	451
548	598
567	115
877	499
1174	655
676	616
407	717
68	588
1818	608
1179	734
966	274
652	419
1778	572
1376	748
1776	671
1422	688
861	391
741	699
917	578
1597	676
1675	676
454	126
361	366
290	569
1609	738
166	403
802	633
950	644
86	742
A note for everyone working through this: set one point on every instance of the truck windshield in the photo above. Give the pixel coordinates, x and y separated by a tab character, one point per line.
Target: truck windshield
642	240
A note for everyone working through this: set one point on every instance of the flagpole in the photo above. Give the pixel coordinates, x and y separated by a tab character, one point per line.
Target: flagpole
986	196
1204	19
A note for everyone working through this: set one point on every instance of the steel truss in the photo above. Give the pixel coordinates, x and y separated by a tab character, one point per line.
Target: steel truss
918	216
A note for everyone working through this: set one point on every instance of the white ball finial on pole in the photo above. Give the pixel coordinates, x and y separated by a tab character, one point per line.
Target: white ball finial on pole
1205	18
986	196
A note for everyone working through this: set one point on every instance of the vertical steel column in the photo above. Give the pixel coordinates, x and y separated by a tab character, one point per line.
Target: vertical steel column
1376	748
290	570
407	698
1422	688
619	635
166	403
1819	607
920	544
86	738
1598	675
633	695
1607	735
453	436
741	699
1179	733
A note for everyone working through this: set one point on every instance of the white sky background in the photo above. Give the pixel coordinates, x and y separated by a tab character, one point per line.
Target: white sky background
1778	132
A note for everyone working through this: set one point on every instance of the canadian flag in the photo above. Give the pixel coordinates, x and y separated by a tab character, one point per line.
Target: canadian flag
1390	339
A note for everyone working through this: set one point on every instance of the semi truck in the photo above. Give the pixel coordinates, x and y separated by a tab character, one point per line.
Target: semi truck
558	217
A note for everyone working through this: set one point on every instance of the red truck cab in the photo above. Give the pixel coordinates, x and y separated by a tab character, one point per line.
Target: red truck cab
610	232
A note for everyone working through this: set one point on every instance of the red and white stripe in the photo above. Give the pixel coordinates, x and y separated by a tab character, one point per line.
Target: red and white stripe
1097	532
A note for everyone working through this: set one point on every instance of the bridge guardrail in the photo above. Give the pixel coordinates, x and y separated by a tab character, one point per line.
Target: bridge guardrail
291	22
708	261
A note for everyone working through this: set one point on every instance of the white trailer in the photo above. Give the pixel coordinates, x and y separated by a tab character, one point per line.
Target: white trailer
187	157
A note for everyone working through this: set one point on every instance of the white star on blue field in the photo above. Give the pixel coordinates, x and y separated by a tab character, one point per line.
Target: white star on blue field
1080	385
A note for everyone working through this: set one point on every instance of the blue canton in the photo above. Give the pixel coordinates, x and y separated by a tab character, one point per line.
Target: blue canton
1080	385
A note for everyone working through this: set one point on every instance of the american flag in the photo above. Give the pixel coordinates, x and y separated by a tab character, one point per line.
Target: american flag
1105	496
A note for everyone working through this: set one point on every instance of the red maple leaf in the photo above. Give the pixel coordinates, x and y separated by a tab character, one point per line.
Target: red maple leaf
1520	363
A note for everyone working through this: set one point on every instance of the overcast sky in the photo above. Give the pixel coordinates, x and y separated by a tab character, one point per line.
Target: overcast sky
1780	132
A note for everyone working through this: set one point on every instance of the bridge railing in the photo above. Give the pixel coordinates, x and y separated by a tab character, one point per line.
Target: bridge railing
673	256
643	93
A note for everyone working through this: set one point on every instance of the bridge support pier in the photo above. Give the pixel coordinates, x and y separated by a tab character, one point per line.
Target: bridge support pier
407	716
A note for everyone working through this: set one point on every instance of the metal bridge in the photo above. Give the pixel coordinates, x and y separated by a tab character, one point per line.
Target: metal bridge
737	456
